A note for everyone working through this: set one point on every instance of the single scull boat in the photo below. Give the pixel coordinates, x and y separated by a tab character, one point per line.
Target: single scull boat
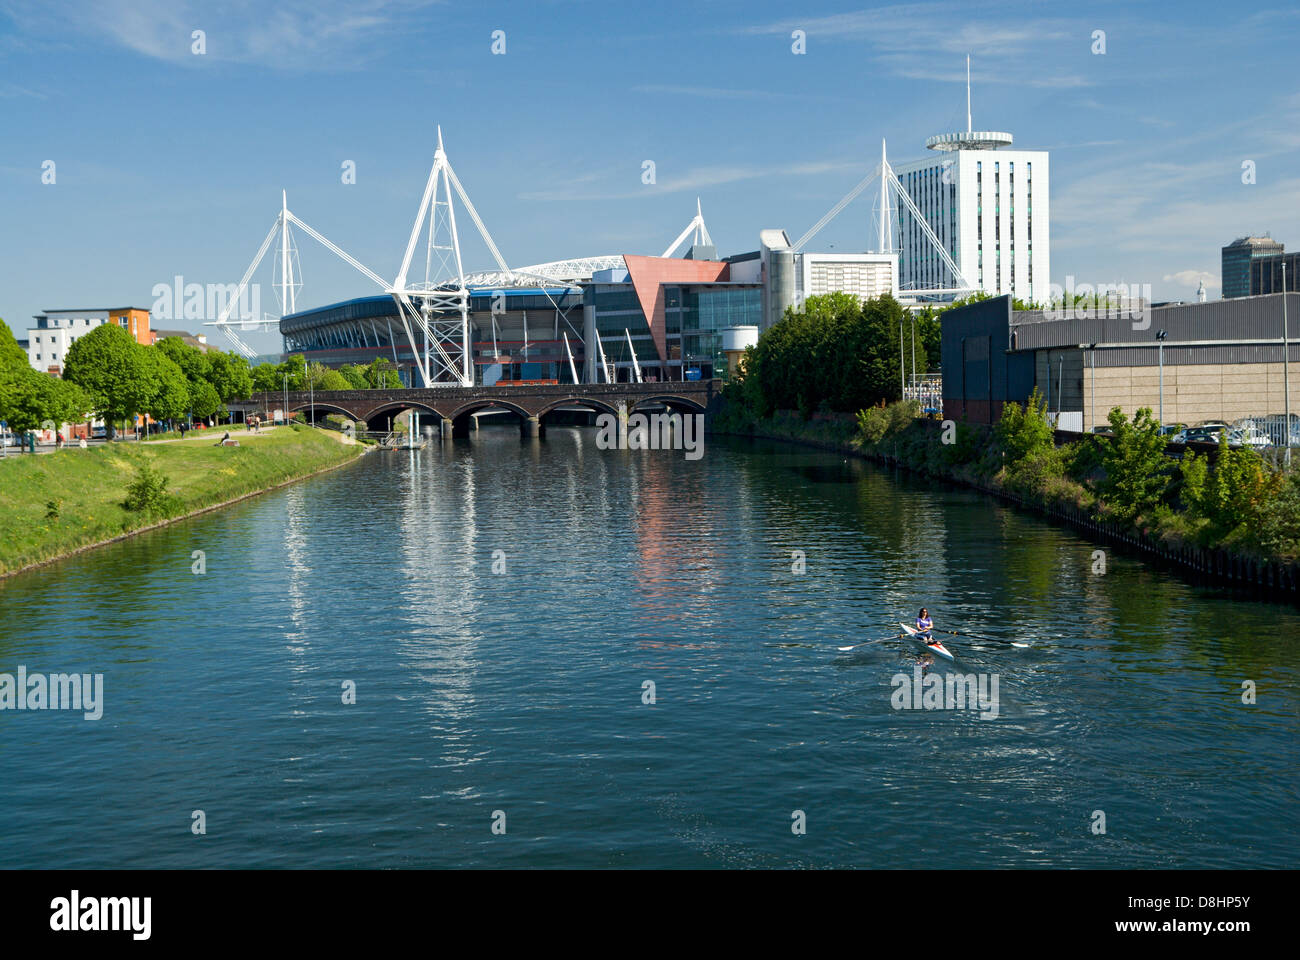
932	645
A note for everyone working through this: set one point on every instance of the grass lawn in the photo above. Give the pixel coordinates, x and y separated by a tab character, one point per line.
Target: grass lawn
87	487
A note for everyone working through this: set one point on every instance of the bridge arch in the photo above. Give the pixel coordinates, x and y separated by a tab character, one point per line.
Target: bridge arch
591	403
462	419
322	407
372	417
673	402
485	403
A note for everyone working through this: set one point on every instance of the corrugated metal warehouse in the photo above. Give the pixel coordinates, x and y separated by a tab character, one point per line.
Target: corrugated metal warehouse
1217	361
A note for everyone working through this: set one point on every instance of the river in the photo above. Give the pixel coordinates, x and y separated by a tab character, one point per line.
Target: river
617	659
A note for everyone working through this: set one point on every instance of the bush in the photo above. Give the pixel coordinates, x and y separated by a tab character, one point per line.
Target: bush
147	492
1279	529
1034	473
1137	470
1025	431
877	423
1085	459
1240	490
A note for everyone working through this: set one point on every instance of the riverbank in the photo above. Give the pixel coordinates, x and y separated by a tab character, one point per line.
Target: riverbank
969	456
58	504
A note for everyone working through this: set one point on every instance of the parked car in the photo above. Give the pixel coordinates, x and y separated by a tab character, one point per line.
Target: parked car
1104	429
1248	436
99	432
7	439
1198	435
1172	429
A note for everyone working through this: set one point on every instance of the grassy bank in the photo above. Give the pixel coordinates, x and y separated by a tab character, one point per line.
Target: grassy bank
54	504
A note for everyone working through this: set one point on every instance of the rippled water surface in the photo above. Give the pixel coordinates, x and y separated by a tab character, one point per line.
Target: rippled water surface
522	691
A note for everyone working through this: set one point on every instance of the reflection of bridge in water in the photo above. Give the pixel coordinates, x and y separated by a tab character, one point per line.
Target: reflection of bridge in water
456	407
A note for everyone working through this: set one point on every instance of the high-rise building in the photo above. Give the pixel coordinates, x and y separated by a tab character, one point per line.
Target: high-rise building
989	208
1266	273
1237	257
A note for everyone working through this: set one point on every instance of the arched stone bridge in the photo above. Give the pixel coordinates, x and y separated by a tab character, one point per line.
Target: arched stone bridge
454	406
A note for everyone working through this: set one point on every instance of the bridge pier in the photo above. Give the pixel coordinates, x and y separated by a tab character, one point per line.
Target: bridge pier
532	427
447	429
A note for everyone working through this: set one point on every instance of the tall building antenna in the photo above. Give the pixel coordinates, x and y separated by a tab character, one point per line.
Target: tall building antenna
968	126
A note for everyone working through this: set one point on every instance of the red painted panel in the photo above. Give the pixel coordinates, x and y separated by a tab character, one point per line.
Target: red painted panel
649	274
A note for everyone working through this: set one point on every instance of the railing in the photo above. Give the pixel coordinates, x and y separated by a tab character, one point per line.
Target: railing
926	390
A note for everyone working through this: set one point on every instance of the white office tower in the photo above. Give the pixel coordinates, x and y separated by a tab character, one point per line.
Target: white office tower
989	207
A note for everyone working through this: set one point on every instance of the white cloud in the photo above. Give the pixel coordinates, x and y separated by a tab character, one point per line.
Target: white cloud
693	180
1192	278
294	34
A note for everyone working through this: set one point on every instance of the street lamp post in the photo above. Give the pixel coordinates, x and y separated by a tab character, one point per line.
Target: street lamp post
902	366
1092	404
1286	370
284	413
1160	346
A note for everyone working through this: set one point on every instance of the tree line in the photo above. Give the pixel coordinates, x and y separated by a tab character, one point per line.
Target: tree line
107	375
836	352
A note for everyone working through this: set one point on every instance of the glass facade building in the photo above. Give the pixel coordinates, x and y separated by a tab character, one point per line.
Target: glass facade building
1237	258
694	316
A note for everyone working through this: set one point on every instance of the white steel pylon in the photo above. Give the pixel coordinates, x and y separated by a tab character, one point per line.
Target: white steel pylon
290	275
888	181
290	268
438	306
696	224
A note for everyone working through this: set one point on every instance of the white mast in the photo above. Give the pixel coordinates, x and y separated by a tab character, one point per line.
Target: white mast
968	126
886	243
636	367
287	299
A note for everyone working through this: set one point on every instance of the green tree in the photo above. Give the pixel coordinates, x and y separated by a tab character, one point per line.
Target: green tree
204	401
333	380
229	375
266	378
170	398
1025	431
1239	491
382	374
1136	467
315	374
834	351
296	367
114	370
194	363
38	397
355	375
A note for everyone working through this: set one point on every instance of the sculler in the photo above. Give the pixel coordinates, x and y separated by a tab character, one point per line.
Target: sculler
924	625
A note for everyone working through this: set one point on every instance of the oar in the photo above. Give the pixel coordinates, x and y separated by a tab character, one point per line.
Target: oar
863	644
971	636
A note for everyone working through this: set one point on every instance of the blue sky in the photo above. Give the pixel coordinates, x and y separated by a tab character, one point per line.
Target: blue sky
172	163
